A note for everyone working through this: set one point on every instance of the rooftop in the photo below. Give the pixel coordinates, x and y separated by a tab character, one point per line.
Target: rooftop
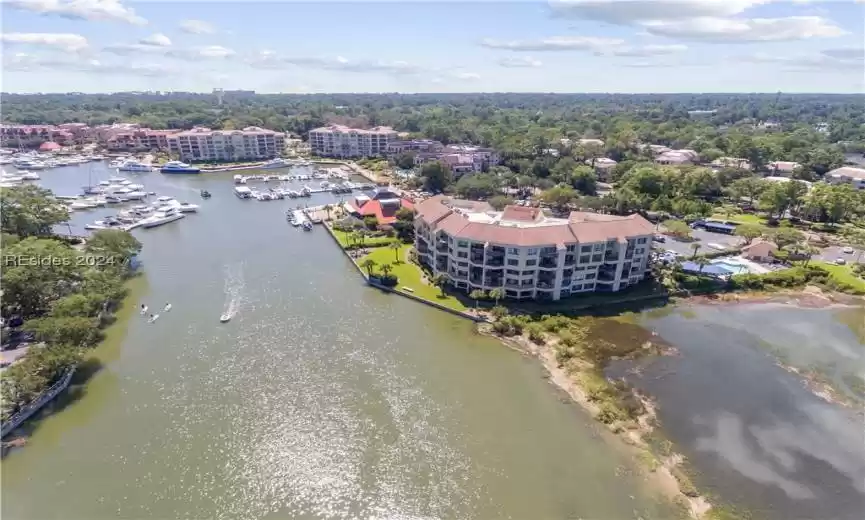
848	171
524	226
348	129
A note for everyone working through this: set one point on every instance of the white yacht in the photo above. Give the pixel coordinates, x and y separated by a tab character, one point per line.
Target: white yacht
162	216
134	166
31	176
135	195
275	163
242	192
80	204
238	179
117	180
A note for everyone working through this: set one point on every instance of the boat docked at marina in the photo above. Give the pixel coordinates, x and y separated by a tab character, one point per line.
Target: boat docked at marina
178	167
239	179
276	163
161	217
242	192
134	166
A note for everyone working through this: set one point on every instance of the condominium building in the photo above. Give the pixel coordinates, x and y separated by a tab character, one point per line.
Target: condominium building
204	144
343	141
527	253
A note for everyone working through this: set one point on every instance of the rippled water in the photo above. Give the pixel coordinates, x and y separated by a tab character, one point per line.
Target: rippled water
753	432
321	398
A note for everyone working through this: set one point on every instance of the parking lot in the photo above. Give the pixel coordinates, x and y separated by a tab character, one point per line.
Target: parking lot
704	238
830	254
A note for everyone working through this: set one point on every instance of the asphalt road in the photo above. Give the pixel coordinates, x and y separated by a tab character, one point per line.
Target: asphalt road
829	254
704	238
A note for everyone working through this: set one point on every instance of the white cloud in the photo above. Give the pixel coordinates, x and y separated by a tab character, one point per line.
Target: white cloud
62	41
843	60
96	10
156	40
554	43
704	20
626	12
125	49
216	52
205	52
512	62
29	63
467	76
728	30
271	60
644	51
197	27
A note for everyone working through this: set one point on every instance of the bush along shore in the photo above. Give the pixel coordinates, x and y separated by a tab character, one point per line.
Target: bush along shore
57	296
575	352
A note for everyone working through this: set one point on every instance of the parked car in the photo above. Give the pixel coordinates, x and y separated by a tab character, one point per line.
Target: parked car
840	261
659	238
848	250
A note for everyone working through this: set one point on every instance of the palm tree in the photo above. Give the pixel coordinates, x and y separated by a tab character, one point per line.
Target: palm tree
327	209
702	262
369	264
476	295
497	294
695	247
440	280
386	269
396	245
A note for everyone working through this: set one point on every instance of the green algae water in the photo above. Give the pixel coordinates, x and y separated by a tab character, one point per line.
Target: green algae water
321	398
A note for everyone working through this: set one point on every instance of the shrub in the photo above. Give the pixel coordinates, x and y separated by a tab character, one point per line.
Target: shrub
388	280
536	332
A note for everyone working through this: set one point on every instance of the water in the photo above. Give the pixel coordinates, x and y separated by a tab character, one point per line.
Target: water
754	433
321	398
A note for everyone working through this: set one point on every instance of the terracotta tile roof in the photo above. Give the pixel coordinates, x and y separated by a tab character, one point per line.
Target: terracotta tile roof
580	227
384	213
522	214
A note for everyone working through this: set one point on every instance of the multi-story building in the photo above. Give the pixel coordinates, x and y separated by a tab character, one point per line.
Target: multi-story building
847	175
343	141
141	139
204	144
414	145
528	254
27	135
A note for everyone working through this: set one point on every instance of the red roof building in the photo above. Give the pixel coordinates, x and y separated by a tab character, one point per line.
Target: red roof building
383	205
49	146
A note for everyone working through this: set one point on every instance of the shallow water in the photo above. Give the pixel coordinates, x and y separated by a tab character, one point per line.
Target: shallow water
321	398
753	432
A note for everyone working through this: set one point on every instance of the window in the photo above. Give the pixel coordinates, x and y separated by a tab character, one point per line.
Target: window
590	276
639	251
512	281
513	251
530	263
641	240
525	294
528	273
513	261
513	272
586	249
599	247
462	254
462	243
597	258
577	287
533	251
571	248
463	264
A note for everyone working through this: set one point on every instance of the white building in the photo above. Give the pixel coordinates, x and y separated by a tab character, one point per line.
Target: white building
343	141
528	254
204	144
849	175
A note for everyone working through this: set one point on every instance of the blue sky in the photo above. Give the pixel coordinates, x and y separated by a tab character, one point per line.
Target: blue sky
443	46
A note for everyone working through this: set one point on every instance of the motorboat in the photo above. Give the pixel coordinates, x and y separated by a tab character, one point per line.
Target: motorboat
205	194
95	200
305	192
153	318
80	204
108	223
117	180
31	176
162	216
242	192
134	166
113	199
238	179
275	163
185	207
178	167
104	183
307	225
134	195
225	318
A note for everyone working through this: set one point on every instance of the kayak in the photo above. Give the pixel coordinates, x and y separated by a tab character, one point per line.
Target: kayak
167	308
144	310
154	318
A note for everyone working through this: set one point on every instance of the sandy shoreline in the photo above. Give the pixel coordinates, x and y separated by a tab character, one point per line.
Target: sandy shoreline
633	439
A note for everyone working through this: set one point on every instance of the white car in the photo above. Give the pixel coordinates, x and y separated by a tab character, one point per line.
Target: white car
840	261
848	250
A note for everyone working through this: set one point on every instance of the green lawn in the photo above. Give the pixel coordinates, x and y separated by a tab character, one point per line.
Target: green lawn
742	218
342	238
410	276
842	273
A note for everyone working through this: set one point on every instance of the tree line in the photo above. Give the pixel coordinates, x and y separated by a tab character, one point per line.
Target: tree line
54	294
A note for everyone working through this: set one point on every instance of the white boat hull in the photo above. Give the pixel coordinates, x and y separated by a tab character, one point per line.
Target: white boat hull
160	221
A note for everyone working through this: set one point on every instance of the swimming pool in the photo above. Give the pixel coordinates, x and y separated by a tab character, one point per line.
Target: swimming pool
731	267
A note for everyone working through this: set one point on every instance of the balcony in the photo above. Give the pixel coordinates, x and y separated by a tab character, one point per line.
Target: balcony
495	261
455	276
566	282
611	257
493	282
476	259
570	260
548	263
544	286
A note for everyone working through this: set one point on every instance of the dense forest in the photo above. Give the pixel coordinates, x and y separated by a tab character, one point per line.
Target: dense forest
515	123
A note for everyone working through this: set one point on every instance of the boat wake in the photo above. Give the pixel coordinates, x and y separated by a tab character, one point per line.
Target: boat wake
234	285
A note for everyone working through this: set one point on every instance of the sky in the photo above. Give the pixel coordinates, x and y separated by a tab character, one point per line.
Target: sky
442	46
